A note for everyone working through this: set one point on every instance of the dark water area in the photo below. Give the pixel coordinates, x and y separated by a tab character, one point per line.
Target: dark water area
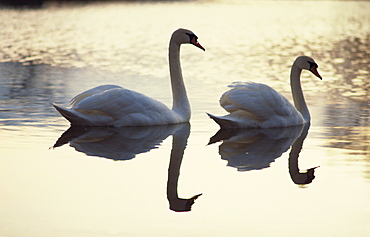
46	3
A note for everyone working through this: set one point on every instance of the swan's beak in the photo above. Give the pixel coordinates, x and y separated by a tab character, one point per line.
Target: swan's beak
196	43
313	69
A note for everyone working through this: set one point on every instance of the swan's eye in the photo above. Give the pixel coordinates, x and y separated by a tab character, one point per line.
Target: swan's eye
192	37
312	64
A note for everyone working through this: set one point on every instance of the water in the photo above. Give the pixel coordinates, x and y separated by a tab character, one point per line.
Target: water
134	182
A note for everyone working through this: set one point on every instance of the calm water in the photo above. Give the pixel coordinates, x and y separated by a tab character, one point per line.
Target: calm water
139	182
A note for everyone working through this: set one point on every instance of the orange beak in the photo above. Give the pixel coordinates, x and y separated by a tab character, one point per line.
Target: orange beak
196	43
313	69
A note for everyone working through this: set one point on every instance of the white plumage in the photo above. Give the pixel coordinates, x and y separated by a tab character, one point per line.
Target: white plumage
111	105
255	105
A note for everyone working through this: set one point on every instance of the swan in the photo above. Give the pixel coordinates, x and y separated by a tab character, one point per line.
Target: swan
112	105
256	105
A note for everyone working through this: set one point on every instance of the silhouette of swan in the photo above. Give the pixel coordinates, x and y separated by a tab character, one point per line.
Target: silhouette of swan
295	174
178	147
254	149
111	105
125	142
115	143
255	105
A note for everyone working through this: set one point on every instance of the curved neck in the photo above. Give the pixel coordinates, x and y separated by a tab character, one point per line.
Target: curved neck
180	138
180	103
179	142
295	174
298	98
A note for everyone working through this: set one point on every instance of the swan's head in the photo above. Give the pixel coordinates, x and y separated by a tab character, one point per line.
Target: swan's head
305	62
184	36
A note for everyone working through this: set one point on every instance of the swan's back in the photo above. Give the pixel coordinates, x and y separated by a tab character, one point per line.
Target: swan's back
258	105
91	92
117	106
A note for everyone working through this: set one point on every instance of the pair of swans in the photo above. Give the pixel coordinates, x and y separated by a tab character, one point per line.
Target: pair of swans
249	104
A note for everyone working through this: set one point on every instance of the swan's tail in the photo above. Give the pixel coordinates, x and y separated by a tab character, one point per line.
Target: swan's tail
70	115
224	123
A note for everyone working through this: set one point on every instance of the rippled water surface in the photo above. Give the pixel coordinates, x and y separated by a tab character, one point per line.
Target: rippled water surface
147	181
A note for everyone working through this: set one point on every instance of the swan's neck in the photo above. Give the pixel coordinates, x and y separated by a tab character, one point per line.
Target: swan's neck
295	174
180	103
298	98
178	147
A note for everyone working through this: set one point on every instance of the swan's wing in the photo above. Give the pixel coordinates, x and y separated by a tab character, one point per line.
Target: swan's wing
118	103
258	99
91	92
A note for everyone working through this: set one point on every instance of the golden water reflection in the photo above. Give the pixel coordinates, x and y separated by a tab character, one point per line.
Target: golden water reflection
356	140
51	54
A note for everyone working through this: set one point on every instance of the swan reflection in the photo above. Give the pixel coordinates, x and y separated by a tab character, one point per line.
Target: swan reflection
126	142
256	149
296	175
115	143
179	142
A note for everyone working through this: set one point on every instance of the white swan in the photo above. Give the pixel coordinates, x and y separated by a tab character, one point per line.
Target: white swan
255	105
111	105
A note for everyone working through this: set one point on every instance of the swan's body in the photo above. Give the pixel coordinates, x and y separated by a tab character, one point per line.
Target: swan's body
111	105
255	105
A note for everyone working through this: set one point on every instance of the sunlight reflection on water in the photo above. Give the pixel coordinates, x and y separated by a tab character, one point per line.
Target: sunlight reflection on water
51	54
